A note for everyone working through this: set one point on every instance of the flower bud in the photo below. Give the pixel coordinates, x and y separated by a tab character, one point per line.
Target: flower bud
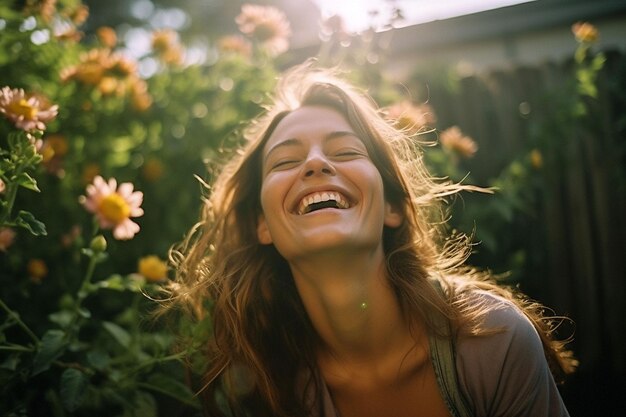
98	244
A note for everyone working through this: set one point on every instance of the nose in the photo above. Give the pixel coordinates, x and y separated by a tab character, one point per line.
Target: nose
317	164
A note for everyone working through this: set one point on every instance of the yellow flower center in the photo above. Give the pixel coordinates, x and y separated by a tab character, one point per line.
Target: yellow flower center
24	109
114	208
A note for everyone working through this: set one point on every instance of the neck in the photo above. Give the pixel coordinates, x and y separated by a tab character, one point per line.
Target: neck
350	303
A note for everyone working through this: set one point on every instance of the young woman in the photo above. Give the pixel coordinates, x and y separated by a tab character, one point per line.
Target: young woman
332	290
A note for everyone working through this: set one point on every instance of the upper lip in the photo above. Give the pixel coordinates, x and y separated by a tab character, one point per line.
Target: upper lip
321	188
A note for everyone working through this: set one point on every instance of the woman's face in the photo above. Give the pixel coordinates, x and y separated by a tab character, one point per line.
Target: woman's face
320	190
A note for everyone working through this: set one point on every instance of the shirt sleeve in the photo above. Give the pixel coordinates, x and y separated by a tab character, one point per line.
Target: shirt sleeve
506	373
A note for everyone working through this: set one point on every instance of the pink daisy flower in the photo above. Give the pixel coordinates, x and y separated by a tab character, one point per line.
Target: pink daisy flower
28	112
266	24
113	206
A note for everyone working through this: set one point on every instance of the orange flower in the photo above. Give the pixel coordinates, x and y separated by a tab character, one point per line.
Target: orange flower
152	170
410	117
141	100
585	32
55	145
235	44
266	24
91	68
45	8
152	268
79	14
69	34
110	73
36	269
53	149
90	171
109	85
454	140
107	36
165	44
536	159
27	111
7	237
121	67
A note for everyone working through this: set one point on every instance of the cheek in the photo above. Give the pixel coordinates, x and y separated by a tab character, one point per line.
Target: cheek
267	189
371	181
273	191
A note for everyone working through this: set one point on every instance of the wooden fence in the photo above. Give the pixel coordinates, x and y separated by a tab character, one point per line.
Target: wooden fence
577	251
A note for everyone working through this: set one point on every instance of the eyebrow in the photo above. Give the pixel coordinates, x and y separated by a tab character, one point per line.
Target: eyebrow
296	141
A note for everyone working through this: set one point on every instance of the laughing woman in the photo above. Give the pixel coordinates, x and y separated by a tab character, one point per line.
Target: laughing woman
332	289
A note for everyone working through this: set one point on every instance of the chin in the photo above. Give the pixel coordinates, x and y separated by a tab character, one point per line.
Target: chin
333	242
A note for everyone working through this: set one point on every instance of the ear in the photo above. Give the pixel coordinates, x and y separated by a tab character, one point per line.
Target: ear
393	215
263	232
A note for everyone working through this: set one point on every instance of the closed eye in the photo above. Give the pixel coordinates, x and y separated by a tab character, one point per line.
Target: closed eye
284	164
349	154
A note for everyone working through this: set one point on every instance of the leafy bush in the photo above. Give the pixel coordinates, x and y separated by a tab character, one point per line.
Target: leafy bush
80	252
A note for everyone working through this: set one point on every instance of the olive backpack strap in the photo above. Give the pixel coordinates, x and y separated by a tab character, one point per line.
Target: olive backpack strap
443	357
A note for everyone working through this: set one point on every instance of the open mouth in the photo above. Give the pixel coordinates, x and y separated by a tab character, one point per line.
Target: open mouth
321	200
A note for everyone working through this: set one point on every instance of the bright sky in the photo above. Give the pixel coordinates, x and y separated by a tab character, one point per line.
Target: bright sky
356	16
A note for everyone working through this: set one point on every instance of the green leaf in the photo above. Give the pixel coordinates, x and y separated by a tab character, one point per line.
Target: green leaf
598	62
132	282
173	388
11	362
135	282
15	138
53	344
63	318
27	220
84	313
73	388
114	282
144	405
98	257
118	333
27	181
98	359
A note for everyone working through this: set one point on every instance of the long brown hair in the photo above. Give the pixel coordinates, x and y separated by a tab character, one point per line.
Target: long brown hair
260	354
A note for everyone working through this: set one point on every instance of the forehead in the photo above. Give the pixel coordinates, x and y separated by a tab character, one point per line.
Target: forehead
308	122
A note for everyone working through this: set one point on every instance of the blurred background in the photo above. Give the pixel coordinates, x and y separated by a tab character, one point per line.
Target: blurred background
525	96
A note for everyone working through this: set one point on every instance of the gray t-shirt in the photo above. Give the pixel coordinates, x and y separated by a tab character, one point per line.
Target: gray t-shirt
504	374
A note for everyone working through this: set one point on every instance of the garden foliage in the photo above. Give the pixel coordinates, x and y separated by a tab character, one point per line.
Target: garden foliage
100	155
75	333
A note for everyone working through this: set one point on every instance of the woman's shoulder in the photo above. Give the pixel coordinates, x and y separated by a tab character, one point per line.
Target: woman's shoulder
504	365
498	313
485	306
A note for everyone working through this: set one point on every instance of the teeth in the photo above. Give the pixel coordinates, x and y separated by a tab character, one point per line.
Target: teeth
322	196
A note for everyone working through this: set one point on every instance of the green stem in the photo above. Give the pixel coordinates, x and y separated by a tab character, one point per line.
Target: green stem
173	357
17	348
75	365
11	194
82	292
19	321
96	226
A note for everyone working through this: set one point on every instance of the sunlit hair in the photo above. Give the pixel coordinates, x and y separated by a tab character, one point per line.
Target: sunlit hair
261	353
